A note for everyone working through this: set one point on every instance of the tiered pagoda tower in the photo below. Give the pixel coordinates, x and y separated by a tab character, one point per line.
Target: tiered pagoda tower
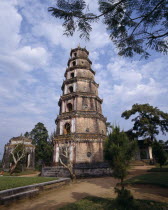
80	124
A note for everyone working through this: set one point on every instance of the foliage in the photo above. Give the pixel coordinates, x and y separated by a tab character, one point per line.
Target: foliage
148	120
125	199
159	154
39	133
98	203
119	152
44	148
159	179
133	25
12	182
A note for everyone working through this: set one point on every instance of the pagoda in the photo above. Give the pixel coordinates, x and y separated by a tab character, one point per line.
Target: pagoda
81	125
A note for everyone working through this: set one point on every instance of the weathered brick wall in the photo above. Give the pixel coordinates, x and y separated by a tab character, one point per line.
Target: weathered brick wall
81	171
86	123
89	152
84	73
86	86
95	125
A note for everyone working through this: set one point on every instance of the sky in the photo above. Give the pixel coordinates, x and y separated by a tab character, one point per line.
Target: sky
33	59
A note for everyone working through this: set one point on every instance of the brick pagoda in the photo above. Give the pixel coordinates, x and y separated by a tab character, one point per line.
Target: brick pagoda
80	124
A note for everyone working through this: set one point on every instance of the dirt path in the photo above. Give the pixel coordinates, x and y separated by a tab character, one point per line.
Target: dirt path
103	187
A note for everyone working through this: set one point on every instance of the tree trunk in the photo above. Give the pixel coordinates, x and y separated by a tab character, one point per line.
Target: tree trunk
13	168
122	184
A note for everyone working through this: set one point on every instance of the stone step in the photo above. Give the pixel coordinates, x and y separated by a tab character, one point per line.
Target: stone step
10	198
138	163
50	174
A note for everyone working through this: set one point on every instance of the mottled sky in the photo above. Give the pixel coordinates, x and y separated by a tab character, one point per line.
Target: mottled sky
33	59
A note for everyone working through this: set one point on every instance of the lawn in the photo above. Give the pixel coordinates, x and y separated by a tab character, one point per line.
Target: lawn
159	178
158	169
92	203
7	182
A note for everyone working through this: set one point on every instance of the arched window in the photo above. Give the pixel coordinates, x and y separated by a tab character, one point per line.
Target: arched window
71	89
74	63
72	75
75	54
67	128
69	107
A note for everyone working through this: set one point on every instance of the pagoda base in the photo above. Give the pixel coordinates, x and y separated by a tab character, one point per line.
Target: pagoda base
82	170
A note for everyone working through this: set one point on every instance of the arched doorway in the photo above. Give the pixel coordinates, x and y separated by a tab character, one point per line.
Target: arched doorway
69	107
67	128
71	89
72	75
74	63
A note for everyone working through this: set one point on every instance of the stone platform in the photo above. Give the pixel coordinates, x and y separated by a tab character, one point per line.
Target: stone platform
82	170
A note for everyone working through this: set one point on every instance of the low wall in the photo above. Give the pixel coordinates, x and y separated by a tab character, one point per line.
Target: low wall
81	170
7	196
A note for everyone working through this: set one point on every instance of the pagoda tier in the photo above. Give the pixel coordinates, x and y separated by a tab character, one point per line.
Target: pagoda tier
80	122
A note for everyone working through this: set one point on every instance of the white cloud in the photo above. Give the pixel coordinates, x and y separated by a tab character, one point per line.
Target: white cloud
10	21
129	83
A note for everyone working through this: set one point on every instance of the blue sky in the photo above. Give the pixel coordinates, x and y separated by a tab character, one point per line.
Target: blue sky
33	59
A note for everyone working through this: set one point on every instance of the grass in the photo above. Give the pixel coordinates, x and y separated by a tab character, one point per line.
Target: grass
158	169
160	179
92	203
7	182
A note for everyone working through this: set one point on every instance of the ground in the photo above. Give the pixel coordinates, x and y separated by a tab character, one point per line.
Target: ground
102	187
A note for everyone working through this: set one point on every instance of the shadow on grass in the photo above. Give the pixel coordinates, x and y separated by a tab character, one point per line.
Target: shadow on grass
97	203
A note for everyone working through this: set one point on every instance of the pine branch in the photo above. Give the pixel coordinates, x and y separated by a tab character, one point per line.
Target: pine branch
146	16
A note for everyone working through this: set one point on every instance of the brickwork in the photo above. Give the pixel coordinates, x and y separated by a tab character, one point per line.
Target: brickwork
80	124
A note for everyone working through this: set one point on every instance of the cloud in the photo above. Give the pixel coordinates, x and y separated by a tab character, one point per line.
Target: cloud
124	83
10	21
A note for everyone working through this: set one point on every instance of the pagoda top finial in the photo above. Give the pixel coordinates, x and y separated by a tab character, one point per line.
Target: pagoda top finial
79	48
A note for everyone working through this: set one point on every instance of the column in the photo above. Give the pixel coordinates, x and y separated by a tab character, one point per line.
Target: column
57	154
28	161
150	152
71	153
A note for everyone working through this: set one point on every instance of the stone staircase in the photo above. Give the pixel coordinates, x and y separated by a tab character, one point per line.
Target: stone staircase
58	171
50	171
140	162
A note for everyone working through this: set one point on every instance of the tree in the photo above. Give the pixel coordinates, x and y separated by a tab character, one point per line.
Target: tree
159	153
17	154
44	148
27	134
66	161
119	151
133	25
148	120
108	127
